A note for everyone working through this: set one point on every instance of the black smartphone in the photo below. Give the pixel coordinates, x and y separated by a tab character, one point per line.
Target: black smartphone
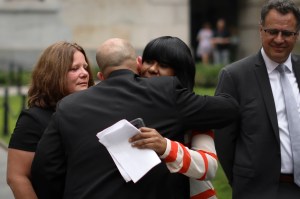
138	123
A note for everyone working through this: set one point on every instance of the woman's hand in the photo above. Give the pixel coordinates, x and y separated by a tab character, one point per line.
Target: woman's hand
149	139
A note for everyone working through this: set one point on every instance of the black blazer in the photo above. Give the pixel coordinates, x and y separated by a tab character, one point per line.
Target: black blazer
249	150
70	160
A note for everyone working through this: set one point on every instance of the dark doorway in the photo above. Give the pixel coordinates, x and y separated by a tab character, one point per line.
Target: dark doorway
210	11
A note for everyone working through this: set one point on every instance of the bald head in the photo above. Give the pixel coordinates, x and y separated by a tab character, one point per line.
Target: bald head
116	54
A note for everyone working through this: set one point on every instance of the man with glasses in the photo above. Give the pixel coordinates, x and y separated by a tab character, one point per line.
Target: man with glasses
260	153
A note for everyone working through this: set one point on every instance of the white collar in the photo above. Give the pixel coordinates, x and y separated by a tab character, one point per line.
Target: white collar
271	65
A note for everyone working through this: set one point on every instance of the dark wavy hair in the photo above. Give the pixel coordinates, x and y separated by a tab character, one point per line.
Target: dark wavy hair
173	52
49	77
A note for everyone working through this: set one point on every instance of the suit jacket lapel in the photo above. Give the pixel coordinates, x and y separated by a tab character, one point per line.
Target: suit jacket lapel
266	91
296	68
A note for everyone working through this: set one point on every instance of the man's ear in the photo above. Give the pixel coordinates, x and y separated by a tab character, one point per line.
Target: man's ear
260	30
139	64
100	76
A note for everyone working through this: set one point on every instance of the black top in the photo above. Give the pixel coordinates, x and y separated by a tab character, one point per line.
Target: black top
222	34
29	128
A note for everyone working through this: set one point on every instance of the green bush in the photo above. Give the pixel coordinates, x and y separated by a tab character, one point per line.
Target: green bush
23	77
95	70
15	77
2	78
207	75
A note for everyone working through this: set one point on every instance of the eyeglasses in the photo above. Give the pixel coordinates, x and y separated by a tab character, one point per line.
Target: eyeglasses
284	33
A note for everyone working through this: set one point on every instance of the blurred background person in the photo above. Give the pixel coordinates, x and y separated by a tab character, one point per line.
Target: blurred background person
205	47
221	42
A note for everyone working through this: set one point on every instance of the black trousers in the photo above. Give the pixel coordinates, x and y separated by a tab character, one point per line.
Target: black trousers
288	191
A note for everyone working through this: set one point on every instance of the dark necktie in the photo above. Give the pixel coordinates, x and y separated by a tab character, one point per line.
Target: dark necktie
293	120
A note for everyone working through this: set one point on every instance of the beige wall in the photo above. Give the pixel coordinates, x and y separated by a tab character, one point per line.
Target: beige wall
139	21
29	26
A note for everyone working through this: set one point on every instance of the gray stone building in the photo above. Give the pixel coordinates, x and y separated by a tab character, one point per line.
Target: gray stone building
29	26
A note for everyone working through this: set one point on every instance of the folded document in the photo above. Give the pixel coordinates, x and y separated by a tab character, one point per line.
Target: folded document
132	163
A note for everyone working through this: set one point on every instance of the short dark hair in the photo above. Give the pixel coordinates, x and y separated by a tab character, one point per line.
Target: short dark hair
173	52
282	6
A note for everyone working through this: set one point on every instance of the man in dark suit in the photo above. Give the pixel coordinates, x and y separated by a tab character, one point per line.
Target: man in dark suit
255	152
70	162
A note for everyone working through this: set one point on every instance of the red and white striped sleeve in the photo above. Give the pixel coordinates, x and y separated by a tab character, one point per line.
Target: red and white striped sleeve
202	189
199	162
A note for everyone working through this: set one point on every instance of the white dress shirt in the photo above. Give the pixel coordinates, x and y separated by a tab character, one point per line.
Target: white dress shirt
274	77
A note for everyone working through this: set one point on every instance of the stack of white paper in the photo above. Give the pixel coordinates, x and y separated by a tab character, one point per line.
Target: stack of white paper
132	163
